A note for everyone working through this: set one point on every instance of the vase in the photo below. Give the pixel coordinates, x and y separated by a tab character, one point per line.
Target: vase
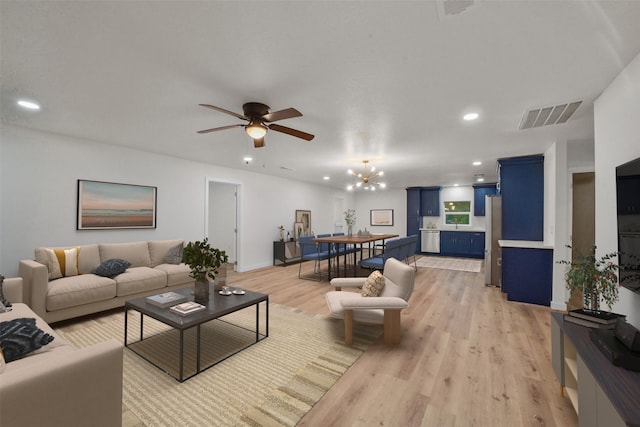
201	291
591	301
350	230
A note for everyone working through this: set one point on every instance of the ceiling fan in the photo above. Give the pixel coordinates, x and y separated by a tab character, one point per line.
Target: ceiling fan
260	120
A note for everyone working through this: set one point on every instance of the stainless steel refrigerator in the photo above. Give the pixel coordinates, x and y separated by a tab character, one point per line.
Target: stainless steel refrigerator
493	233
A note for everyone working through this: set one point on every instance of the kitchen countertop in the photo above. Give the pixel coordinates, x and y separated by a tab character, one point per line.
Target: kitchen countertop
526	244
470	230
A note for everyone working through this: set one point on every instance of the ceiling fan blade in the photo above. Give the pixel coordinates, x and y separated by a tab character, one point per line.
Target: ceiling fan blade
292	132
281	115
220	128
258	142
213	107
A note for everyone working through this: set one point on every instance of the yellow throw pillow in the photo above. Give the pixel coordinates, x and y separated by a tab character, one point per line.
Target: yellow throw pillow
62	262
373	285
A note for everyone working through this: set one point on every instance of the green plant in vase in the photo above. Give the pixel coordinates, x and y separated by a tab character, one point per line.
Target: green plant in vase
595	277
204	262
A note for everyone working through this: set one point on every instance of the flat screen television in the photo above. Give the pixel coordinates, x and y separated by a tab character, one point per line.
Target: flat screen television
628	206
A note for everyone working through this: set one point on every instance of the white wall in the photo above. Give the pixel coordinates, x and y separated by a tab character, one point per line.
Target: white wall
364	201
39	173
617	140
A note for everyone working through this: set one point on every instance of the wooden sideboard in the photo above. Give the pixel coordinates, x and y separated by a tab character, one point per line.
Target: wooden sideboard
285	252
602	394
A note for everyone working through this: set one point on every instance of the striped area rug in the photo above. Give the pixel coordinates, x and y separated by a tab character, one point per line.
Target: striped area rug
272	383
459	264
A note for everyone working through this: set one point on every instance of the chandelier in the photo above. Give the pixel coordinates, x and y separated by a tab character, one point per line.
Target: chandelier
368	179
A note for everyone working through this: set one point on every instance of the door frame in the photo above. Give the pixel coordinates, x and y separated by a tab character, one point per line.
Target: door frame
236	214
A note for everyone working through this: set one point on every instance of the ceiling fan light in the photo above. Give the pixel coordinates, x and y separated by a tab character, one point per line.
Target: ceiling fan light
256	130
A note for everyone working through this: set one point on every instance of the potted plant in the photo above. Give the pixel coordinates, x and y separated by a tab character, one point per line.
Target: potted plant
204	262
350	219
595	277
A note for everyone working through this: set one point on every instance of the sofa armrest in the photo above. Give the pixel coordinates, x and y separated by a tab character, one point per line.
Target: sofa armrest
367	303
348	282
81	387
13	290
35	279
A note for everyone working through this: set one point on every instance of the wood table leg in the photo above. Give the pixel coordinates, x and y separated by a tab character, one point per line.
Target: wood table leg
348	327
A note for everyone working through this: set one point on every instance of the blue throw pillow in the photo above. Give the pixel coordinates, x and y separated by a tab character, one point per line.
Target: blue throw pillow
112	267
19	337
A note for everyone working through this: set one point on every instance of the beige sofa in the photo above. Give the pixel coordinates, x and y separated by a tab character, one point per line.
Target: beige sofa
86	293
58	385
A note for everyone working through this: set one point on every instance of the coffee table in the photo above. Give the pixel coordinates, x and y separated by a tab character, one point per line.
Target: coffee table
218	306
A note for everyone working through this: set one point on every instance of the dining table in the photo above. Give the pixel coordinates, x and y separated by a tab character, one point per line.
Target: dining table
358	241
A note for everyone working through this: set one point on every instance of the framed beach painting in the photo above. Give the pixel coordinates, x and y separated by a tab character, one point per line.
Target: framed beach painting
382	217
108	205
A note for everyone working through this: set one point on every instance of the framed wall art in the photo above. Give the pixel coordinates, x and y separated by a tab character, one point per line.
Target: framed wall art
305	218
108	205
382	217
297	230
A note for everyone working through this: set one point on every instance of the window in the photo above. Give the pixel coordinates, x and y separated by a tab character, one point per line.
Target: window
457	212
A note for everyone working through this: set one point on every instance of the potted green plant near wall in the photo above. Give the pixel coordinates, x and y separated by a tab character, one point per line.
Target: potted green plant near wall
595	277
204	262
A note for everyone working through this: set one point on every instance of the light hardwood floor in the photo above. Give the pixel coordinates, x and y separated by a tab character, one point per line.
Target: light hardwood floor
468	357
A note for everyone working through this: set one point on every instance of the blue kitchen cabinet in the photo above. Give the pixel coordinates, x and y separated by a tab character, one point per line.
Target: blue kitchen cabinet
466	244
430	201
522	190
480	191
476	249
527	275
413	214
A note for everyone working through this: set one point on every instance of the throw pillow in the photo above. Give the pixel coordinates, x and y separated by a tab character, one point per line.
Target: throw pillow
174	256
19	337
3	300
62	262
112	267
373	285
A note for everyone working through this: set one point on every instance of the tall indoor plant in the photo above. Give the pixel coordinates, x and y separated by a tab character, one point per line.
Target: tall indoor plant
595	277
204	262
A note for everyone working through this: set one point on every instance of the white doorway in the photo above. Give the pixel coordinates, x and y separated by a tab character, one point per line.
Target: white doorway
222	217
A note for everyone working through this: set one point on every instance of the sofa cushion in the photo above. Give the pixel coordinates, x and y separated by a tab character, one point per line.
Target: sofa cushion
19	337
137	253
62	262
174	256
112	267
176	274
88	257
158	250
372	287
78	290
139	279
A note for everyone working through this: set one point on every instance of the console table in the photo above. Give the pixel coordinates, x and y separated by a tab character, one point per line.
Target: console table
602	394
285	252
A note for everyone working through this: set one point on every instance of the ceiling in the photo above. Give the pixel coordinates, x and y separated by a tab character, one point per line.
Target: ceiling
383	81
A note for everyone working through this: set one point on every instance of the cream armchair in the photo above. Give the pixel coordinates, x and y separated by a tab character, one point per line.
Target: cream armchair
381	310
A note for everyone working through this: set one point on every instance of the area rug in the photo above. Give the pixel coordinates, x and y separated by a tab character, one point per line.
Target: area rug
272	383
459	264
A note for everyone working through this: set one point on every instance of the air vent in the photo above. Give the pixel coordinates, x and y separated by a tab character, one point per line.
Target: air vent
548	115
447	8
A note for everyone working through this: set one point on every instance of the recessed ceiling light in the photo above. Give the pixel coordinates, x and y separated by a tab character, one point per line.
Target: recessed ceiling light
477	163
326	178
456	185
247	159
28	105
470	116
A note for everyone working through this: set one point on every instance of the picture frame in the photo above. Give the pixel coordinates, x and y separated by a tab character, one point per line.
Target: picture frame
297	230
109	205
381	217
304	217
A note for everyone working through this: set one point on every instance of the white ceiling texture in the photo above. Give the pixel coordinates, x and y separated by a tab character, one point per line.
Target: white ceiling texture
387	81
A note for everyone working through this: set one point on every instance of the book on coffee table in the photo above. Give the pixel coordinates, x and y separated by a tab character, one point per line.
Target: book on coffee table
604	317
588	323
187	308
166	299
